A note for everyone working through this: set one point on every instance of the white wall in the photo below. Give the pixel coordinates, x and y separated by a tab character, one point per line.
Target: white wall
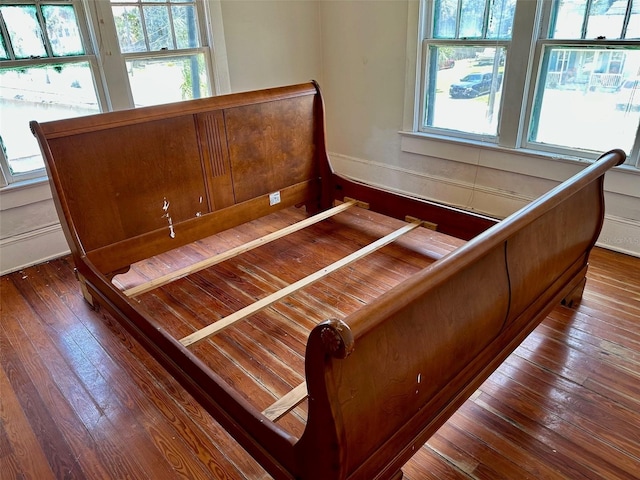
364	56
271	43
29	228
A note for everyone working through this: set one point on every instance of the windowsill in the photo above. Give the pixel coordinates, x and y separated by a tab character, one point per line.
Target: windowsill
530	153
622	179
24	192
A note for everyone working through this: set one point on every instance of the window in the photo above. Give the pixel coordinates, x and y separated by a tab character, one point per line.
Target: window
57	60
558	76
465	62
162	40
47	72
588	59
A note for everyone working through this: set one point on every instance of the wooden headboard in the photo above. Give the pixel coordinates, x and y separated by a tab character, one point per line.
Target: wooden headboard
161	177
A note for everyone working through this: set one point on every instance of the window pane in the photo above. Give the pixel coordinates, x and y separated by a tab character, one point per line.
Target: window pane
182	78
501	19
445	15
158	28
185	26
464	88
606	19
40	93
633	29
164	28
24	30
62	29
129	27
588	100
471	18
4	54
569	18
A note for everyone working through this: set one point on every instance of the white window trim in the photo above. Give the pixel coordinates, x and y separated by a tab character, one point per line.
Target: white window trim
521	68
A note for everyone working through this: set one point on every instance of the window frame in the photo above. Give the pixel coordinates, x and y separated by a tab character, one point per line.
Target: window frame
115	61
522	73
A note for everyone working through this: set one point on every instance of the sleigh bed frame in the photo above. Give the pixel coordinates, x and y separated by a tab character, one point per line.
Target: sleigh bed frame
331	327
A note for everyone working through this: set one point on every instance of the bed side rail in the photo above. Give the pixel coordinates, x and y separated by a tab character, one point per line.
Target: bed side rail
384	379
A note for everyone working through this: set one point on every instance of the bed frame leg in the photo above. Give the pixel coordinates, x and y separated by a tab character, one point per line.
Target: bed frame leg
397	476
575	295
85	291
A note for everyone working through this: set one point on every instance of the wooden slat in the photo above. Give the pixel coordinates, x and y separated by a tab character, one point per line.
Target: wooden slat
265	302
286	403
183	272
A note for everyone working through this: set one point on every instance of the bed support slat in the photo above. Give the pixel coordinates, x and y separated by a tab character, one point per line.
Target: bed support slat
209	262
288	290
286	403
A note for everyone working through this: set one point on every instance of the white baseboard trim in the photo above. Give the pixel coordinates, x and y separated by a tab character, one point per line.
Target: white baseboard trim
30	248
454	192
618	234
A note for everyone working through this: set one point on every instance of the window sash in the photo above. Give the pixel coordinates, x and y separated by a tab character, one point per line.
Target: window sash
52	56
537	87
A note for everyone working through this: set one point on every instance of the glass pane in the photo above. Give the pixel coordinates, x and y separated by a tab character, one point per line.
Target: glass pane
445	15
465	88
40	93
4	54
569	18
24	30
182	78
633	29
129	28
62	29
185	26
606	19
501	19
471	18
158	28
589	99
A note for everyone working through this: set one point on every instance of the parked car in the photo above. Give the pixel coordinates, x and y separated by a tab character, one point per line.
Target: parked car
473	85
446	63
488	56
628	96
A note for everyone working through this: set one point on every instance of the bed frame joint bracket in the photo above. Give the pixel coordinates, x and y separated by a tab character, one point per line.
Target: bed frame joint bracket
360	204
425	224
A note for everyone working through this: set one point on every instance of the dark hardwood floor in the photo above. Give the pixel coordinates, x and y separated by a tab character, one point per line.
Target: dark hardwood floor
80	399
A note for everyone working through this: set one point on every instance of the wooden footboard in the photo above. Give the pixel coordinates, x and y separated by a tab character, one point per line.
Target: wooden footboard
378	379
388	376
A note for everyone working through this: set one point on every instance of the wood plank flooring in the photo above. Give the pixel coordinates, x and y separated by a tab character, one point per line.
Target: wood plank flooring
80	399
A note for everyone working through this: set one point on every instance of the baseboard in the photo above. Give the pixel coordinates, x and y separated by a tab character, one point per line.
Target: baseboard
31	248
618	234
458	193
